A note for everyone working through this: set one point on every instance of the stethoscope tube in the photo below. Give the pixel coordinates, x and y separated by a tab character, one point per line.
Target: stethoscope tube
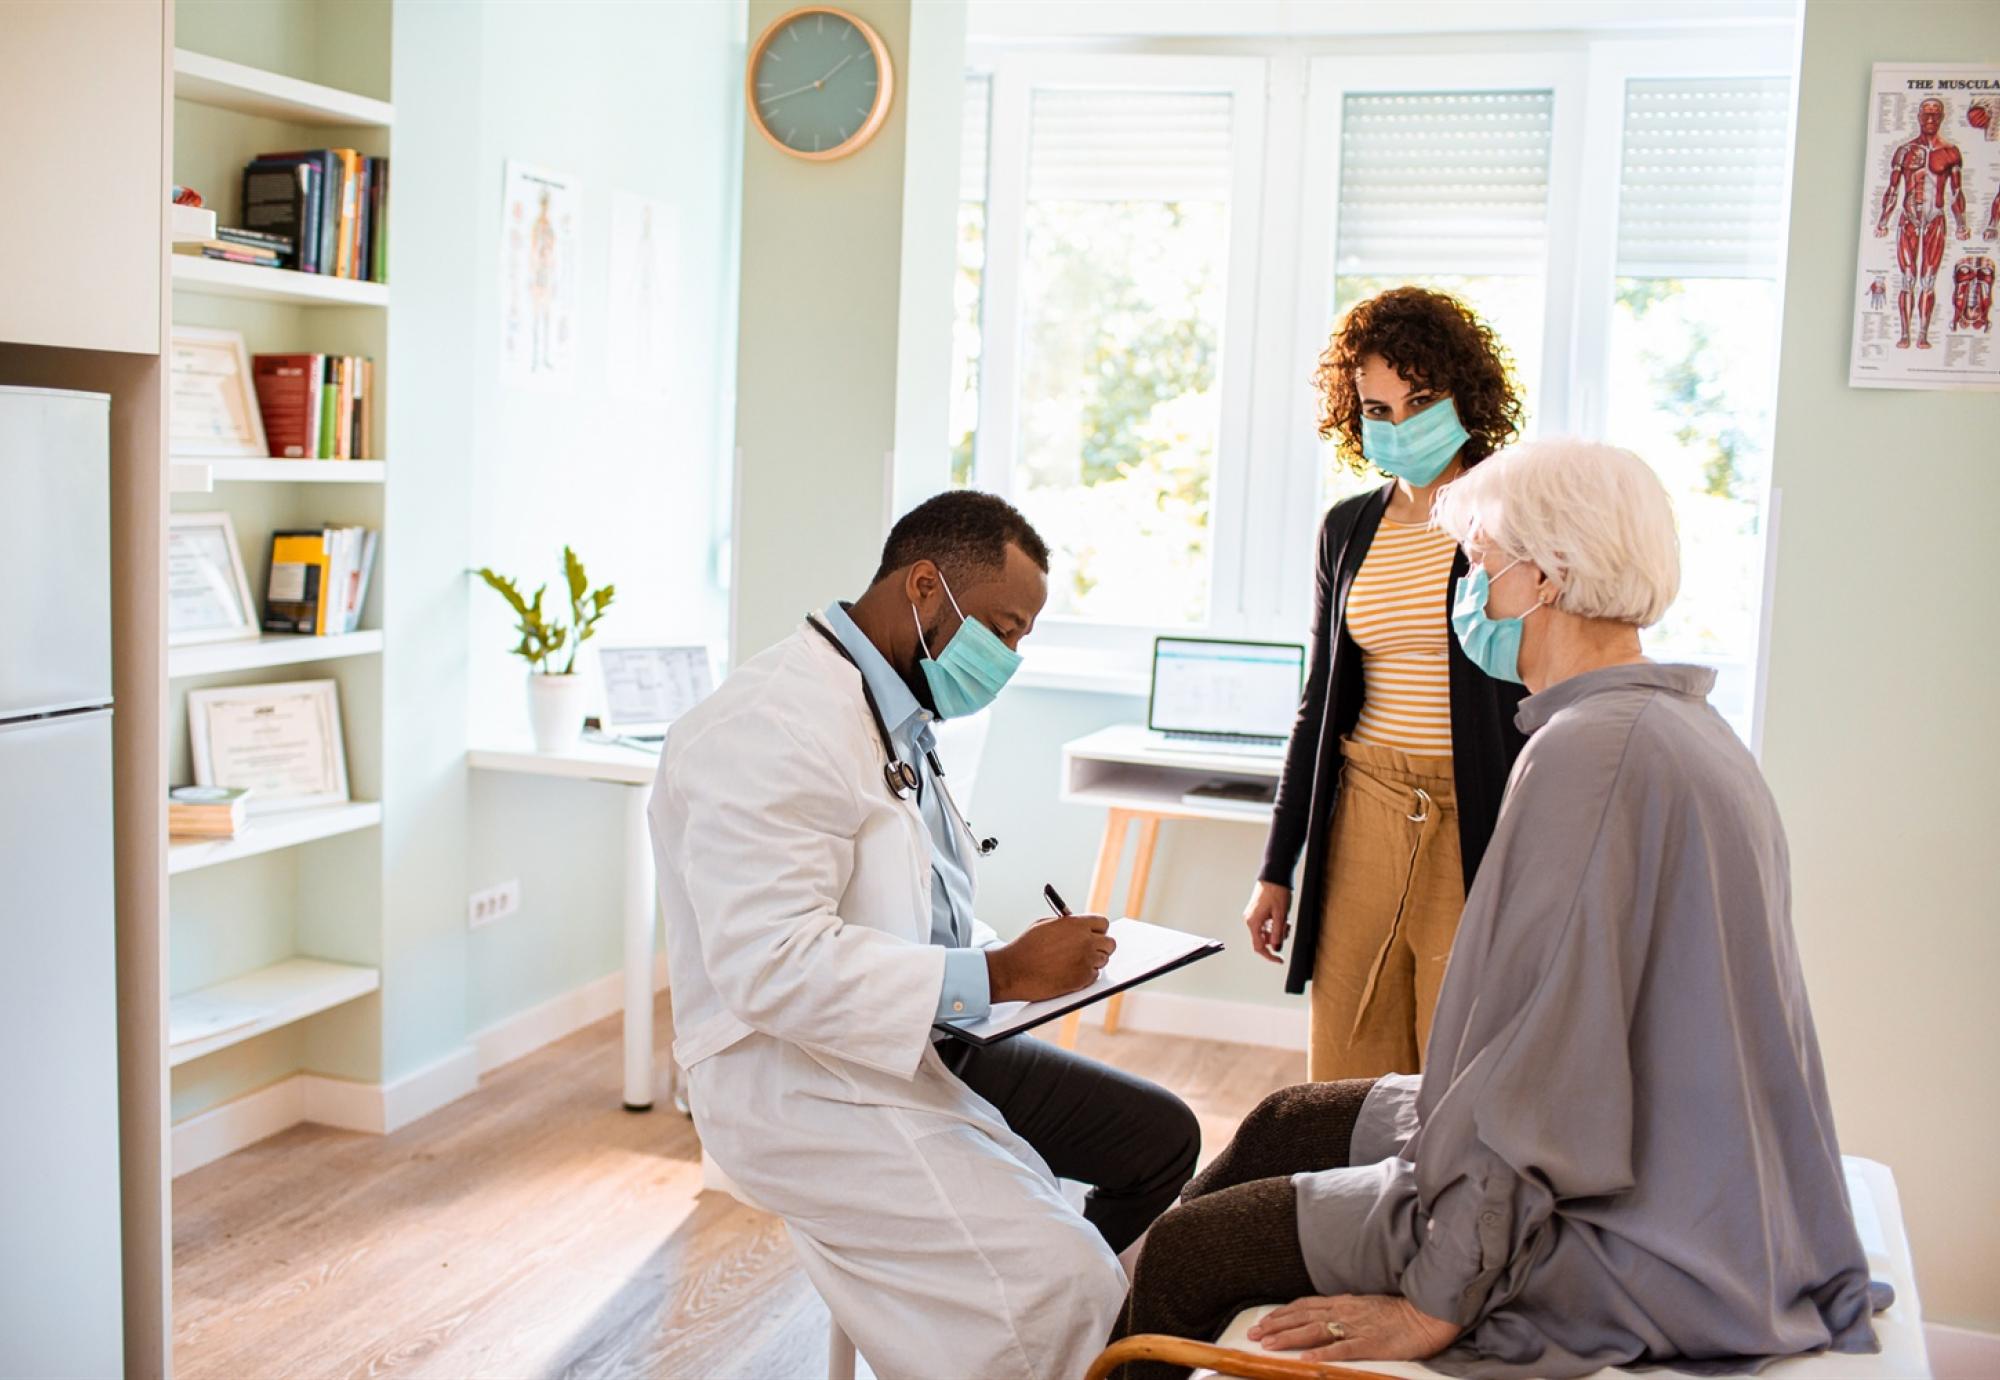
899	776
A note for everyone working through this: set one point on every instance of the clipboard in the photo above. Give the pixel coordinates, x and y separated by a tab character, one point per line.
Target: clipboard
1147	951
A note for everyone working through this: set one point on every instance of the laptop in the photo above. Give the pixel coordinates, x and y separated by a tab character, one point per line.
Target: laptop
647	688
1211	694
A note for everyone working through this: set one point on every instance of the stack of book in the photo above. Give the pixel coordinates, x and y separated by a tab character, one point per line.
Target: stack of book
205	812
316	407
333	204
319	580
241	247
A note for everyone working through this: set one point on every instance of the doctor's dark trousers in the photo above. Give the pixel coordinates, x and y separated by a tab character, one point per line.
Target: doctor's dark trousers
1133	1142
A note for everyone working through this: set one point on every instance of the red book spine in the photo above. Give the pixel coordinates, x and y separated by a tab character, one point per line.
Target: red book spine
284	397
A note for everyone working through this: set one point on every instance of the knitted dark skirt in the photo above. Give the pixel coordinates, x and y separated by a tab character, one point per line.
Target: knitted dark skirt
1233	1239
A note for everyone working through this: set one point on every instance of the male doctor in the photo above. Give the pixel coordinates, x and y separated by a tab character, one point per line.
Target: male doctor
817	882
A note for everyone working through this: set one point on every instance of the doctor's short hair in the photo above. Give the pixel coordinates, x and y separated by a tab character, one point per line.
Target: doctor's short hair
1593	518
965	533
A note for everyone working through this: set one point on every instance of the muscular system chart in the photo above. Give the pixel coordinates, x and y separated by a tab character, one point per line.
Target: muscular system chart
1930	229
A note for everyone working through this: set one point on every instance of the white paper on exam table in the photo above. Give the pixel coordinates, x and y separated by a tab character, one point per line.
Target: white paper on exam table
1144	952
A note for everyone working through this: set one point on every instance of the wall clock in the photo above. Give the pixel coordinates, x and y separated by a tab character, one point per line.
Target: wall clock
819	83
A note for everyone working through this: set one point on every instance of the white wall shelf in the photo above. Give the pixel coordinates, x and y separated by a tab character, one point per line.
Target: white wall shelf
269	833
212	81
285	992
272	649
200	476
194	273
191	224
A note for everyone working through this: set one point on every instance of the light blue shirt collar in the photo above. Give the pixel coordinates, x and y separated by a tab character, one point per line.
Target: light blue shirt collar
909	722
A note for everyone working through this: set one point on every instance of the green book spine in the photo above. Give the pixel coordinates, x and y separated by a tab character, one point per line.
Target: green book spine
329	403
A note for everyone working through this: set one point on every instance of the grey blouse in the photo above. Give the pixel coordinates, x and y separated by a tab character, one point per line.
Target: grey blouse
1620	1151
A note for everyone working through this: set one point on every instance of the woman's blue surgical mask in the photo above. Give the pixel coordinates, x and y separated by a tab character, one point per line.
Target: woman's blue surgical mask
1491	644
974	667
1417	448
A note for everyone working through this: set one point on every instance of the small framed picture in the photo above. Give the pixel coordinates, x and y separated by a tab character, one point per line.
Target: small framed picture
212	401
280	742
208	596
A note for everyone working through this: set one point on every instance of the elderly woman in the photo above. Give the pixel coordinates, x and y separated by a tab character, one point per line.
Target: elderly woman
1620	1150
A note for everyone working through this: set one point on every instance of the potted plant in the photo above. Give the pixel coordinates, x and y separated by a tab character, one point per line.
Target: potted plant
555	697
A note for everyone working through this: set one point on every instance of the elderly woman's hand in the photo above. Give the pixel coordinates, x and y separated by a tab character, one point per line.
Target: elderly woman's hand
1355	1327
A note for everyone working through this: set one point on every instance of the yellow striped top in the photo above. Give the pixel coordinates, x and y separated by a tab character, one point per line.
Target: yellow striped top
1396	615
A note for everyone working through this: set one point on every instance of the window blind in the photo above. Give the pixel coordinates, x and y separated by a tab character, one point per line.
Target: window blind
1444	182
1097	145
1702	182
972	137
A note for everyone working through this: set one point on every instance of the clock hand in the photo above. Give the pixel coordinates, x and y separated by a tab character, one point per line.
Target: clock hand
811	85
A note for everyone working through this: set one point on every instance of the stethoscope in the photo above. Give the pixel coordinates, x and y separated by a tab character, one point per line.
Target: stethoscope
900	776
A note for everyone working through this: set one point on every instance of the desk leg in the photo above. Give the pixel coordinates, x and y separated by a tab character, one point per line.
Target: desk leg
641	910
1109	851
1135	903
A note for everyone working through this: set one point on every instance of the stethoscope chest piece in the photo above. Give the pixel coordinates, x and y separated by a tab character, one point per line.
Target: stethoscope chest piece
902	778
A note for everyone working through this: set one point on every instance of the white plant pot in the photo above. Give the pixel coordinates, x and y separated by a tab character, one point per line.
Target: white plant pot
555	710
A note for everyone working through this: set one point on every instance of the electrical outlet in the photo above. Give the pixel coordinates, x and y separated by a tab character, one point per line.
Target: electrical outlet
494	903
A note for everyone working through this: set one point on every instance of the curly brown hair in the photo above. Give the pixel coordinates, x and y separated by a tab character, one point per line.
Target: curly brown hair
1433	340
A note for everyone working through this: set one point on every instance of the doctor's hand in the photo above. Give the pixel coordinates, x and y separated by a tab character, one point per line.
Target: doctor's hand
1265	917
1050	958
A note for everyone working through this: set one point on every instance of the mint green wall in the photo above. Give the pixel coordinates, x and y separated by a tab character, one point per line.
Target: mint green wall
644	99
817	358
1879	724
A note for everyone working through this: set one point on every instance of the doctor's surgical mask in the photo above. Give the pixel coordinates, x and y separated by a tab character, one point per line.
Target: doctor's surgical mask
974	667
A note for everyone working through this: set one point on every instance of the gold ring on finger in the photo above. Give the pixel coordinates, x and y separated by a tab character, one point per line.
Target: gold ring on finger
1337	1331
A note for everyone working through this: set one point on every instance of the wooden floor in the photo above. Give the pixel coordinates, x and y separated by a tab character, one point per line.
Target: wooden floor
536	1229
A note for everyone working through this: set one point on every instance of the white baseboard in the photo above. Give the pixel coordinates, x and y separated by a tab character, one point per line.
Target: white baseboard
1959	1353
1211	1018
506	1040
378	1108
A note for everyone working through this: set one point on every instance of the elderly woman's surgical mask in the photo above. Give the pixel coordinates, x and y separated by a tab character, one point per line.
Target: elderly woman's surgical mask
1491	644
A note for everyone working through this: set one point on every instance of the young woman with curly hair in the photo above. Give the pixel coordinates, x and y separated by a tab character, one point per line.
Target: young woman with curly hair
1401	750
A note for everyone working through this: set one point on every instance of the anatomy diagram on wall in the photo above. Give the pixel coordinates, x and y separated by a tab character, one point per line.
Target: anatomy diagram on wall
1930	218
539	234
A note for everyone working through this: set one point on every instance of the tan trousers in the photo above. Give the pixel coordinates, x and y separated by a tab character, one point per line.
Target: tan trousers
1394	893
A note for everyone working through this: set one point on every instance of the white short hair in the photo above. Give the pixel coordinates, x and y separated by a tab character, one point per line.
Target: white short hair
1593	518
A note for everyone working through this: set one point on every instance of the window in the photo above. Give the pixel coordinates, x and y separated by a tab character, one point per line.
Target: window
1119	283
1164	242
1448	190
1691	368
967	295
1124	267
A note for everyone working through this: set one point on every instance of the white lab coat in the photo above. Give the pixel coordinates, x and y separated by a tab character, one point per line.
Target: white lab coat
797	897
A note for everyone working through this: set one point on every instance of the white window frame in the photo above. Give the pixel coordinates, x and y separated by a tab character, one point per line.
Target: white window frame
1330	81
1015	76
1283	235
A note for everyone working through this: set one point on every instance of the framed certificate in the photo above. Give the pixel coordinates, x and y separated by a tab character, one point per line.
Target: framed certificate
208	596
279	742
212	404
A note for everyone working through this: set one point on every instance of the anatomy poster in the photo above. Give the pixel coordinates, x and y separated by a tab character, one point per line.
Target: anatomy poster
1930	229
539	278
639	353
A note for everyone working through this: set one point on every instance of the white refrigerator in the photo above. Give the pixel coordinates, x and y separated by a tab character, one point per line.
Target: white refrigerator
60	1311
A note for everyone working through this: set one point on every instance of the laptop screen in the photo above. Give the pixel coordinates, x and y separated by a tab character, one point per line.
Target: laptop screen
1205	686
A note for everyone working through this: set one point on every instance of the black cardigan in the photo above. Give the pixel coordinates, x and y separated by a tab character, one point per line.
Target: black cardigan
1484	740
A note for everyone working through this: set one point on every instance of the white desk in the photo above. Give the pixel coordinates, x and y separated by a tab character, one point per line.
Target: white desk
633	769
1125	770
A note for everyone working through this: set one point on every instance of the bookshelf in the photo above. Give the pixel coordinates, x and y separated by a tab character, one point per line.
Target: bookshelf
232	86
226	279
272	649
287	917
271	833
269	997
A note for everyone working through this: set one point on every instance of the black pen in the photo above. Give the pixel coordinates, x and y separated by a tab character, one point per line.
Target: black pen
1055	900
